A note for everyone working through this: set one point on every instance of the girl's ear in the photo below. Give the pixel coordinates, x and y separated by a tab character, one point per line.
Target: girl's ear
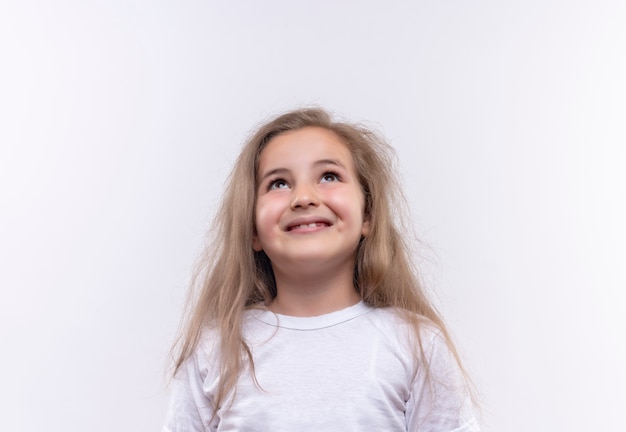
256	244
365	229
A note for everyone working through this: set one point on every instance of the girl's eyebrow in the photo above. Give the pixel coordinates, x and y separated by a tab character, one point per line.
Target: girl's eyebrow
273	172
329	162
286	171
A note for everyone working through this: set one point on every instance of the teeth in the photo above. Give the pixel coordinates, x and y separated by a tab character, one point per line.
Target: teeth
303	226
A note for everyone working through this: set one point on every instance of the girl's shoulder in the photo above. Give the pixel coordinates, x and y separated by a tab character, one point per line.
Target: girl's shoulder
207	351
396	320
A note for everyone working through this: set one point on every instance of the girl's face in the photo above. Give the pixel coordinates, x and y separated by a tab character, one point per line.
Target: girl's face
309	210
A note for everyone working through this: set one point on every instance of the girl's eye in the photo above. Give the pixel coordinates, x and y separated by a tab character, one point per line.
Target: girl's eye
278	184
330	177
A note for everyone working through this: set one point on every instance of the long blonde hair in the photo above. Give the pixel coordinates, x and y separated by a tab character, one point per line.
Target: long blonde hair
232	277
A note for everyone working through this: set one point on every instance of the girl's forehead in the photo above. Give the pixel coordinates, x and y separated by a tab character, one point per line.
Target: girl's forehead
306	145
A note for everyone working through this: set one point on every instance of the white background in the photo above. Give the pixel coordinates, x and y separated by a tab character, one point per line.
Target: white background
119	121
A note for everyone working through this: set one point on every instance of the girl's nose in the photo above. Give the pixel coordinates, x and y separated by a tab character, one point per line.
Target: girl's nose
304	197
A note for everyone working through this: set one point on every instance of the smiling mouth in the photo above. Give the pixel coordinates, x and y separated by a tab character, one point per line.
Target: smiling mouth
310	226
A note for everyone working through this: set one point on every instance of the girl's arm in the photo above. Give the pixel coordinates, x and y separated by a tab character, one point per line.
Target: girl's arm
441	402
190	409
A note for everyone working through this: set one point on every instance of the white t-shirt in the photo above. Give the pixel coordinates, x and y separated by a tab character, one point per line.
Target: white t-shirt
350	370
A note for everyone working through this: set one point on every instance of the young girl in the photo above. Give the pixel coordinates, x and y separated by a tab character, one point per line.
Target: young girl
309	315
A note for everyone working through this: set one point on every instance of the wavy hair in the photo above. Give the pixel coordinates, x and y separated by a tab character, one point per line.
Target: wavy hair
231	277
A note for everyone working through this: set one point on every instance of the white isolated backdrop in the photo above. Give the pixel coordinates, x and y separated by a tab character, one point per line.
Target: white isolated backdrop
119	122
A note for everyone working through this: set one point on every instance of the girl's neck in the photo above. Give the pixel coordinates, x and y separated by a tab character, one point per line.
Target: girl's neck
313	295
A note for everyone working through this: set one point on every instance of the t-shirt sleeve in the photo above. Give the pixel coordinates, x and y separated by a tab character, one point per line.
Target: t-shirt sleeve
190	408
441	402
